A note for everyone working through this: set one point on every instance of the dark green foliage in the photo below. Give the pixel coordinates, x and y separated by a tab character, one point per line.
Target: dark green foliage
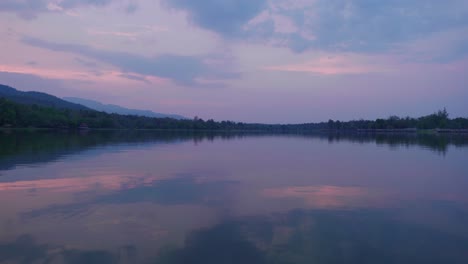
436	120
26	115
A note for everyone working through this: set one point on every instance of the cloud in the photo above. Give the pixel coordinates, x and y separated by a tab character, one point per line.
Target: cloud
369	25
131	8
440	47
29	9
27	82
128	32
357	25
135	77
76	3
86	63
225	17
363	26
184	70
32	76
337	64
26	9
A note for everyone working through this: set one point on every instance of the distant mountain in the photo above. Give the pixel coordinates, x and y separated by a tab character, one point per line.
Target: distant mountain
115	109
37	98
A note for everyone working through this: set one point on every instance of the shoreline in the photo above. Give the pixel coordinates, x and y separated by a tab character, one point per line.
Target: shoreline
378	131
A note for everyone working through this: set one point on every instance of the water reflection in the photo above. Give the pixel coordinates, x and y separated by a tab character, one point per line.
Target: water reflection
320	237
223	243
26	250
366	237
297	236
26	148
320	196
435	142
154	197
23	249
177	191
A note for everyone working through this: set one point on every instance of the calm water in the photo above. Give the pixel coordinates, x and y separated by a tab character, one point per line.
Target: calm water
148	197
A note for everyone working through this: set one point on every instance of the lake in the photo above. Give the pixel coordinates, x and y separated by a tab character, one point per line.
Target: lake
186	197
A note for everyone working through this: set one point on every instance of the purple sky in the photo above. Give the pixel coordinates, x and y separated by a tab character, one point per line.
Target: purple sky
287	61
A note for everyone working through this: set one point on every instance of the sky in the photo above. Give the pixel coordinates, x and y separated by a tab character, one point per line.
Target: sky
270	61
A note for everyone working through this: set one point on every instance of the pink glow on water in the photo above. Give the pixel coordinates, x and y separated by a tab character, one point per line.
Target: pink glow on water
116	181
320	196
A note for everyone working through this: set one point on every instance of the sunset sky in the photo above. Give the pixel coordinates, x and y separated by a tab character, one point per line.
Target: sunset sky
275	61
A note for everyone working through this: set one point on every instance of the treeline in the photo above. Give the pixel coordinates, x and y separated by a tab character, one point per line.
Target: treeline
24	116
439	120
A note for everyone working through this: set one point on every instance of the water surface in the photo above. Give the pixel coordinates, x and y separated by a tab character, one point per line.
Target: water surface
181	197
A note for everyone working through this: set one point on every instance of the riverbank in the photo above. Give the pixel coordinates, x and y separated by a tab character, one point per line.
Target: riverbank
384	131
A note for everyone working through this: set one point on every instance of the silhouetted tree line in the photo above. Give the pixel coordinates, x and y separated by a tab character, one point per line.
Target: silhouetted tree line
440	120
24	115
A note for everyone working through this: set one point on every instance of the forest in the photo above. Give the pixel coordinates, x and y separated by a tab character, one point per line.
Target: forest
17	115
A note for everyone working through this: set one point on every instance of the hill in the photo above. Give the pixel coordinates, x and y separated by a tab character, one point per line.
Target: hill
37	98
40	110
17	115
115	109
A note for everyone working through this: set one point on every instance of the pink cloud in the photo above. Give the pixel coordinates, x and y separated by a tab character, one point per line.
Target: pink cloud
64	74
350	63
333	65
130	35
131	32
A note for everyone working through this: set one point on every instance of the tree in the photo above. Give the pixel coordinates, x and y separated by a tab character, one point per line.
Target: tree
331	124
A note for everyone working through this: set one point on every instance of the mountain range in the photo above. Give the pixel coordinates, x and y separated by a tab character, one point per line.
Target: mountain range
115	109
73	103
37	98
